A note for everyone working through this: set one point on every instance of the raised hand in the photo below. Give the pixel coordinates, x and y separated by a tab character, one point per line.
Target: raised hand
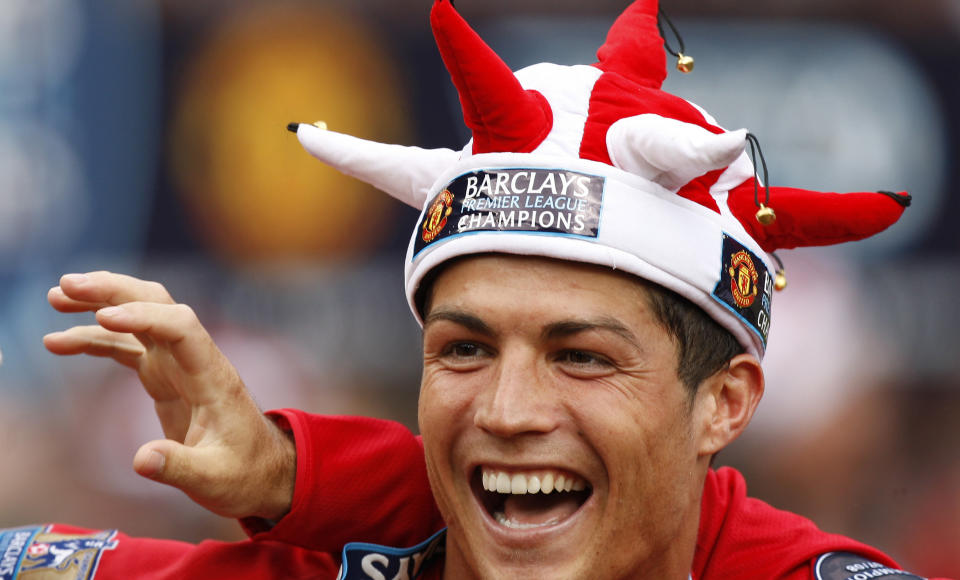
219	449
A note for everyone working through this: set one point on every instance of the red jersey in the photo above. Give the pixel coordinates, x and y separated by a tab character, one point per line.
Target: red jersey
362	483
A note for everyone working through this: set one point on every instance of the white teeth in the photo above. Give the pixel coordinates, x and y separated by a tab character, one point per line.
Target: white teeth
540	482
503	521
547	485
503	483
533	484
518	484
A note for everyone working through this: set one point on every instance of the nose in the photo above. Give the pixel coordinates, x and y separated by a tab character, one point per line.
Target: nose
519	398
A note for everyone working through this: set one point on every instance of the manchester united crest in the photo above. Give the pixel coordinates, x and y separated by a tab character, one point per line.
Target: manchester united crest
745	286
743	279
437	215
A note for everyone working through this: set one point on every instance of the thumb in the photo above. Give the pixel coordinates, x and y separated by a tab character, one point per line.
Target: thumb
162	461
193	471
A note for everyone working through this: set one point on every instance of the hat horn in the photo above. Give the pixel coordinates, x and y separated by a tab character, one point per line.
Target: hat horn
670	152
406	173
634	47
816	218
500	113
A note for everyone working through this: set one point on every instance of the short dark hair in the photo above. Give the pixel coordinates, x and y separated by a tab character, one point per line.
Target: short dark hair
703	346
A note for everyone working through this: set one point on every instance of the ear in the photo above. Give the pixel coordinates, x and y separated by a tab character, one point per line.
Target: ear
727	401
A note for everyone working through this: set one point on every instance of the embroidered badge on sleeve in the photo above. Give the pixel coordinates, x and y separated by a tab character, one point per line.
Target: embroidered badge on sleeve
37	552
847	566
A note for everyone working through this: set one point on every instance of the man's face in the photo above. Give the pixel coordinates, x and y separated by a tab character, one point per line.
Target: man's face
541	373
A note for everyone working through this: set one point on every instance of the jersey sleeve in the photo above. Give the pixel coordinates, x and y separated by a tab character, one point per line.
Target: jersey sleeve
742	538
61	551
358	479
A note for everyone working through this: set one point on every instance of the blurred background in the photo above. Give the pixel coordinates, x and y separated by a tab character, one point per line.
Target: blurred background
148	137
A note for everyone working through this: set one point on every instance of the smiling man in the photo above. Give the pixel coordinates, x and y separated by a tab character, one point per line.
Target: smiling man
594	273
559	439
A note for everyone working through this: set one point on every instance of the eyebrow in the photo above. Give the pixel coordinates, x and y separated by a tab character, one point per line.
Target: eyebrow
468	321
567	328
553	331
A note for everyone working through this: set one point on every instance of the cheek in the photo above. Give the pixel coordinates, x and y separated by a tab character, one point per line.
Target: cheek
444	418
444	405
646	449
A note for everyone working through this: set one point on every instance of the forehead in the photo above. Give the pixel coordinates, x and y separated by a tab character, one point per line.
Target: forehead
508	285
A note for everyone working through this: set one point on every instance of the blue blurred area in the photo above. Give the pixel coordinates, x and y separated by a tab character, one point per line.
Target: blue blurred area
81	129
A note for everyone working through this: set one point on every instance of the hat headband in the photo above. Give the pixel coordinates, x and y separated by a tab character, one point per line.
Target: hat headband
590	212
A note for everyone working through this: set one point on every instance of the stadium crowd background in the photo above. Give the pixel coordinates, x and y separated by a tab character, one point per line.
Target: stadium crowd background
148	137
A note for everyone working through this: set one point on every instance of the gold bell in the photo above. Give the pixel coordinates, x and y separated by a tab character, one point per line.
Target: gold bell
766	215
684	63
779	281
320	125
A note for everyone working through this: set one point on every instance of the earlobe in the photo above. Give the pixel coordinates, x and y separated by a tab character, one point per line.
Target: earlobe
732	396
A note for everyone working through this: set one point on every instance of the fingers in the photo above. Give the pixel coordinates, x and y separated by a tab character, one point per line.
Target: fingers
174	325
94	290
181	358
95	341
161	322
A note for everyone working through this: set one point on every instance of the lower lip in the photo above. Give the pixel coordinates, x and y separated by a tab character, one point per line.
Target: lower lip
529	536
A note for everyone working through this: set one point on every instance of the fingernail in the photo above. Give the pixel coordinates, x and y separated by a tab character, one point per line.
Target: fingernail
110	311
154	464
75	278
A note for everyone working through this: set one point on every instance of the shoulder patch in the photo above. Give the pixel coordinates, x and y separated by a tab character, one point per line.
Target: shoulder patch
36	552
848	566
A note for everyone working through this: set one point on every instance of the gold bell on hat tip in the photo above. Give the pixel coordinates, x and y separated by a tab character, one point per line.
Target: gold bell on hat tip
779	281
320	125
684	63
766	215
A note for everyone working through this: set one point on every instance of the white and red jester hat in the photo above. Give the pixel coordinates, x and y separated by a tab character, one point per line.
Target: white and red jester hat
594	163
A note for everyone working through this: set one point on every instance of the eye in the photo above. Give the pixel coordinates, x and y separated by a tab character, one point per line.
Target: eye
465	355
583	361
465	350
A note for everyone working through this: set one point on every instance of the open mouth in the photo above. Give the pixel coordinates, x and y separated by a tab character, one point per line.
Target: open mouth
530	499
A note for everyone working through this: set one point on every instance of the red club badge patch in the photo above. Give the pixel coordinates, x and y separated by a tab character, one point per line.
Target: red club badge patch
743	279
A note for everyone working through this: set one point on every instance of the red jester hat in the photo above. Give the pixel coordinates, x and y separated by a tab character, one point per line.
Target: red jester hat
595	163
